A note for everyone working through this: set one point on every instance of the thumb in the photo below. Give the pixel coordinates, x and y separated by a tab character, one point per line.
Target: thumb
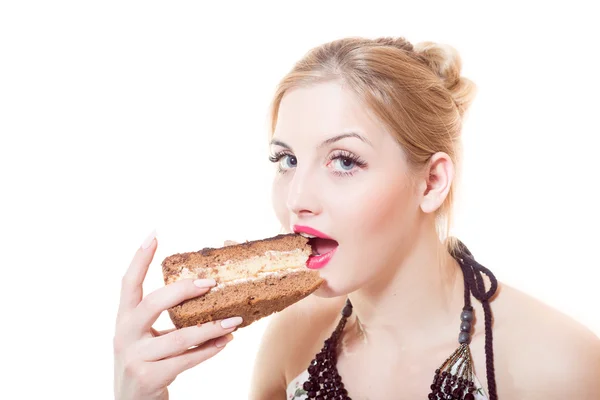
229	243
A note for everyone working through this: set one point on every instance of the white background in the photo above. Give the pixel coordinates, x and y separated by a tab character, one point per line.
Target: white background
120	117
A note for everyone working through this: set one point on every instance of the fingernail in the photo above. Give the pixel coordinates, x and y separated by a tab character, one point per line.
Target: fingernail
223	340
148	241
205	283
231	322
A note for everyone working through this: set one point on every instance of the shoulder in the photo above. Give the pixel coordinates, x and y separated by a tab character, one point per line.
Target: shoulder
286	341
542	353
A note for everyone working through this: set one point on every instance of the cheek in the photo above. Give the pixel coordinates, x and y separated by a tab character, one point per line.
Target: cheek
381	210
278	199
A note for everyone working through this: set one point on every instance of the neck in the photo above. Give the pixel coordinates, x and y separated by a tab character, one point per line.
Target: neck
422	294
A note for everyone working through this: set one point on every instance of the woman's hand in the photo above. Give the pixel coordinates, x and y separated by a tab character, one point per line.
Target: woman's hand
147	361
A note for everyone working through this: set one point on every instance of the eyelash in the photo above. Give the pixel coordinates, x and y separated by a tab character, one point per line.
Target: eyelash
339	155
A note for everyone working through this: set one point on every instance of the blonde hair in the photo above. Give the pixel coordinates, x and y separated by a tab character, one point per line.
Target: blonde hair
416	91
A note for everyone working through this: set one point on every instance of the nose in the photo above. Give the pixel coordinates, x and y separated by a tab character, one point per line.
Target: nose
303	194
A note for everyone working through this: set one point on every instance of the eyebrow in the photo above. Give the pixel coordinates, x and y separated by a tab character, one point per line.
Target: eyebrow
329	141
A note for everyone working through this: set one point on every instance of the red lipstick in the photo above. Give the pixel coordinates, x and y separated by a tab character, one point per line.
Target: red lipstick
323	246
310	231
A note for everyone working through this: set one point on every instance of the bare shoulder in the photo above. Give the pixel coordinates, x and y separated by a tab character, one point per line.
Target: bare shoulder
541	352
285	343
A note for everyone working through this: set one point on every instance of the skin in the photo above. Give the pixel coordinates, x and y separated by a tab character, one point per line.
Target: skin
407	291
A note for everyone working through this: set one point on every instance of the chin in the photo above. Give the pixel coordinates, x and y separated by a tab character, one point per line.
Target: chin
325	291
332	288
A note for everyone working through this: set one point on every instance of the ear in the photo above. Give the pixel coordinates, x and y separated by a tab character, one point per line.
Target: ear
436	182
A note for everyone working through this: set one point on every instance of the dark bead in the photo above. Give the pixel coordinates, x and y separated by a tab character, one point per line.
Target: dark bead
307	386
465	326
312	369
466	316
469	396
464	337
312	394
431	396
347	311
445	373
437	371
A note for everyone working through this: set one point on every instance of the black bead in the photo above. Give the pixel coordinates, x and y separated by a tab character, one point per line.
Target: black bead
466	316
465	326
347	311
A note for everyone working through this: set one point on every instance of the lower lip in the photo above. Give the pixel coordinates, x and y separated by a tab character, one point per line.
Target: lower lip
318	262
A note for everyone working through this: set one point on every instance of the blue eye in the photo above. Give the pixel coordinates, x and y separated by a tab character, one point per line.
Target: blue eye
288	161
345	164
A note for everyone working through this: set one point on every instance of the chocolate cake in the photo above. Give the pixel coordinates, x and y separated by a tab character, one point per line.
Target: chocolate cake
254	279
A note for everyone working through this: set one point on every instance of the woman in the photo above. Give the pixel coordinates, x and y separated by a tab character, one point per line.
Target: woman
366	140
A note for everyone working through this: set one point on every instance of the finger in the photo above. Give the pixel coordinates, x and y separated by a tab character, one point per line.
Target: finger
150	308
173	366
156	333
179	341
131	284
229	243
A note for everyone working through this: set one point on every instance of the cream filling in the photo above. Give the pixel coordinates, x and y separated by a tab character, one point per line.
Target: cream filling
251	268
260	275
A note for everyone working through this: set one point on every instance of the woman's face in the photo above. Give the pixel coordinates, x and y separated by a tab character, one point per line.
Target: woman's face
353	188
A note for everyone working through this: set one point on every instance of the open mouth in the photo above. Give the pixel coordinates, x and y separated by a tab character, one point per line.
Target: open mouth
321	246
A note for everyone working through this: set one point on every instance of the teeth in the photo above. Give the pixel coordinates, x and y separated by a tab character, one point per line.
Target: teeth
307	235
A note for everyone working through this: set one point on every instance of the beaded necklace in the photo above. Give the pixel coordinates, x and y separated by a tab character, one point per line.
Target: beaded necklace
325	383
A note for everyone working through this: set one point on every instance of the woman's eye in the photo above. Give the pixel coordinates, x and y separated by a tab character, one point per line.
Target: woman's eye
288	161
344	163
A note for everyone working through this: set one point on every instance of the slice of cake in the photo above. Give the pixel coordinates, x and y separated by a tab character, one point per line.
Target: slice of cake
254	279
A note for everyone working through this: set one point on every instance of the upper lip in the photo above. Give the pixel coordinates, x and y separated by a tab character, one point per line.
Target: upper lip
311	231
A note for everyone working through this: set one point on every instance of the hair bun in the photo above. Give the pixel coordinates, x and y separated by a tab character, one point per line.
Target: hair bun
444	60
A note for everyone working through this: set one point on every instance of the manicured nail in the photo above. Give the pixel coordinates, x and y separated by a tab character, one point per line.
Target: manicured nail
205	283
231	322
223	340
148	241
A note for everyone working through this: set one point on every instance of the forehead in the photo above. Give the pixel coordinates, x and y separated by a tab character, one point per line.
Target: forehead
323	110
